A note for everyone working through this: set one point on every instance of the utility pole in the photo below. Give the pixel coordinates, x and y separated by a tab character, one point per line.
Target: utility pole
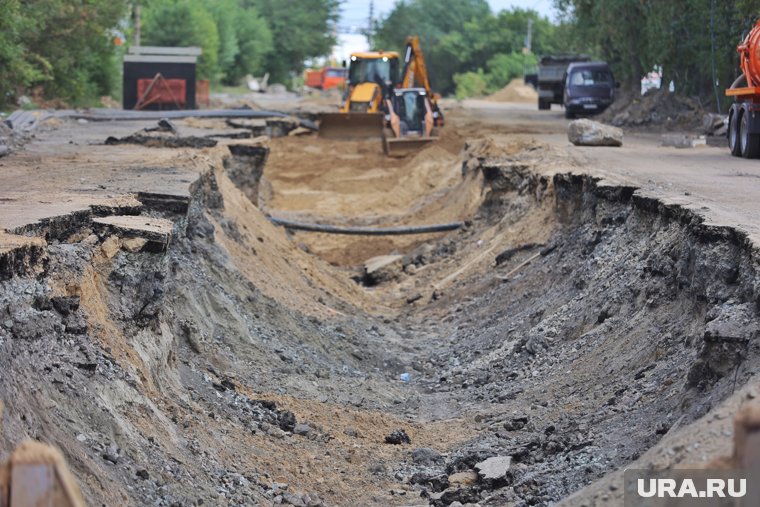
529	37
369	27
136	23
718	104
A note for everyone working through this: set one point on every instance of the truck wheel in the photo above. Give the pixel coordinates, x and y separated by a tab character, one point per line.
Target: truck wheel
569	115
544	105
733	134
749	143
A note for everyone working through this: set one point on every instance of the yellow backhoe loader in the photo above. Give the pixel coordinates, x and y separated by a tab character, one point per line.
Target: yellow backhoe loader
371	75
404	112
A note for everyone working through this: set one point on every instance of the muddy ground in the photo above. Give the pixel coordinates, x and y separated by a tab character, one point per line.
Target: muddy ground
182	350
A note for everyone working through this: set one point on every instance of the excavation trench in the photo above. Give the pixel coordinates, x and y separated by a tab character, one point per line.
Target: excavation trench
570	325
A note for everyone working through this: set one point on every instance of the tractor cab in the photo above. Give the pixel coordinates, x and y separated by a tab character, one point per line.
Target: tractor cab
410	121
412	107
379	67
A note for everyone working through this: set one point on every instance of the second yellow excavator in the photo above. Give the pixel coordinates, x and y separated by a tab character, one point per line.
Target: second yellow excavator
412	112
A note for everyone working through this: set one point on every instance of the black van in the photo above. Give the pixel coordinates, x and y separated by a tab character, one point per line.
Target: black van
589	88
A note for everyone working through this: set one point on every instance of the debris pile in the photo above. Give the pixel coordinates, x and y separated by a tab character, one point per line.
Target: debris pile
656	108
164	135
683	140
715	124
10	138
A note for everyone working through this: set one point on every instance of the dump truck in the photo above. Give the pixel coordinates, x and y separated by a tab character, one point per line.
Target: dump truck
326	78
743	118
551	78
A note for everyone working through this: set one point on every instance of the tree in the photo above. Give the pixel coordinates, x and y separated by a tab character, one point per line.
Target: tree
439	24
225	14
17	72
301	29
256	45
693	41
184	23
63	49
463	38
615	27
244	39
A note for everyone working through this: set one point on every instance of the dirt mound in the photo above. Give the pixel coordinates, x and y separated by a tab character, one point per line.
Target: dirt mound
515	91
656	108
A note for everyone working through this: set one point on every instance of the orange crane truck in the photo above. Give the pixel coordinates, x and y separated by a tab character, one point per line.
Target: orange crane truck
744	115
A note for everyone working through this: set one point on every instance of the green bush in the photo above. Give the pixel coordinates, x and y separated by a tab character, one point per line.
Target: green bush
503	68
470	84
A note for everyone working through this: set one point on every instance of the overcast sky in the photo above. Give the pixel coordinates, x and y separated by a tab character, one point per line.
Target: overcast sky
355	13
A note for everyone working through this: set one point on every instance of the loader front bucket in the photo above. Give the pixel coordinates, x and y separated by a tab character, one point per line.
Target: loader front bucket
351	125
403	146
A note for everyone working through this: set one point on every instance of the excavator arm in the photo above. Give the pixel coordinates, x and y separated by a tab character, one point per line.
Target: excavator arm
415	73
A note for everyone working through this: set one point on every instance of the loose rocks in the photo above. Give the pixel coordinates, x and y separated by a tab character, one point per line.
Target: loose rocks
383	268
683	140
467	478
494	468
302	429
398	437
426	456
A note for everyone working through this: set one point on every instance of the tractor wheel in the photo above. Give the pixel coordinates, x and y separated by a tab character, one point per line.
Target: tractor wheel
749	143
733	134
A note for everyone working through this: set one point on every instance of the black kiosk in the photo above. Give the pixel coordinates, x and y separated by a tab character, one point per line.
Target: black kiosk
160	78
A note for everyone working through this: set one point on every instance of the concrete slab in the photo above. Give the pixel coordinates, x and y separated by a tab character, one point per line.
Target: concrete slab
152	229
683	140
67	169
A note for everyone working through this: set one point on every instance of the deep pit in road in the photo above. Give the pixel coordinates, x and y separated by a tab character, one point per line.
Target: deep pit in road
570	325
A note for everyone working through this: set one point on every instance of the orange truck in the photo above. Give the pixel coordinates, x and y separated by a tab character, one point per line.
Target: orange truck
326	78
